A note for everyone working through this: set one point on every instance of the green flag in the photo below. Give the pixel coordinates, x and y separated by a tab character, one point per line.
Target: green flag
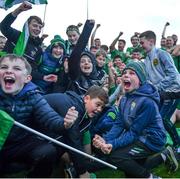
5	4
22	41
6	123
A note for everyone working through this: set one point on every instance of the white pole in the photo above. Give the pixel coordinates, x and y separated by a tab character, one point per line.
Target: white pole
63	145
87	9
44	18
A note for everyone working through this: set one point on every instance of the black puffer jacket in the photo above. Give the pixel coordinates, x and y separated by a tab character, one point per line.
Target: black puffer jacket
29	107
61	102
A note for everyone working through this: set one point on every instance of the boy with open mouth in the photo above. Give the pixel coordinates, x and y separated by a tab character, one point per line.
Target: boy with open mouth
138	132
22	100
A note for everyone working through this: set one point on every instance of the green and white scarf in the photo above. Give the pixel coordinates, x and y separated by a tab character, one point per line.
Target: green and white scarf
22	41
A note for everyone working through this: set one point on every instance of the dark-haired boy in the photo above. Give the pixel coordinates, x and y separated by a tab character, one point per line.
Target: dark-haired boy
164	75
136	54
87	106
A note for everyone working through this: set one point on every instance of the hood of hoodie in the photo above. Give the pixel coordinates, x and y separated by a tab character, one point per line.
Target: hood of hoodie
93	74
147	90
29	87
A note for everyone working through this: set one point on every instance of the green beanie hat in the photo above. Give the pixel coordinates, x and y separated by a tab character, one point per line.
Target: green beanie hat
139	68
58	40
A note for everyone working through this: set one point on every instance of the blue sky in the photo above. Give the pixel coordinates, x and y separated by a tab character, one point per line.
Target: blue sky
114	16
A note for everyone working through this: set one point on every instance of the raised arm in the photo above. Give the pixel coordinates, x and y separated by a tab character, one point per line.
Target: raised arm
74	60
164	29
112	46
94	34
5	27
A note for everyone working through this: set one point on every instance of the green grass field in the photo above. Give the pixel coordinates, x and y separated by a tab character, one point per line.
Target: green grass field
160	171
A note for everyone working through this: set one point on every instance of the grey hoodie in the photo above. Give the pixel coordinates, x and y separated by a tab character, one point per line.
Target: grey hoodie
162	71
